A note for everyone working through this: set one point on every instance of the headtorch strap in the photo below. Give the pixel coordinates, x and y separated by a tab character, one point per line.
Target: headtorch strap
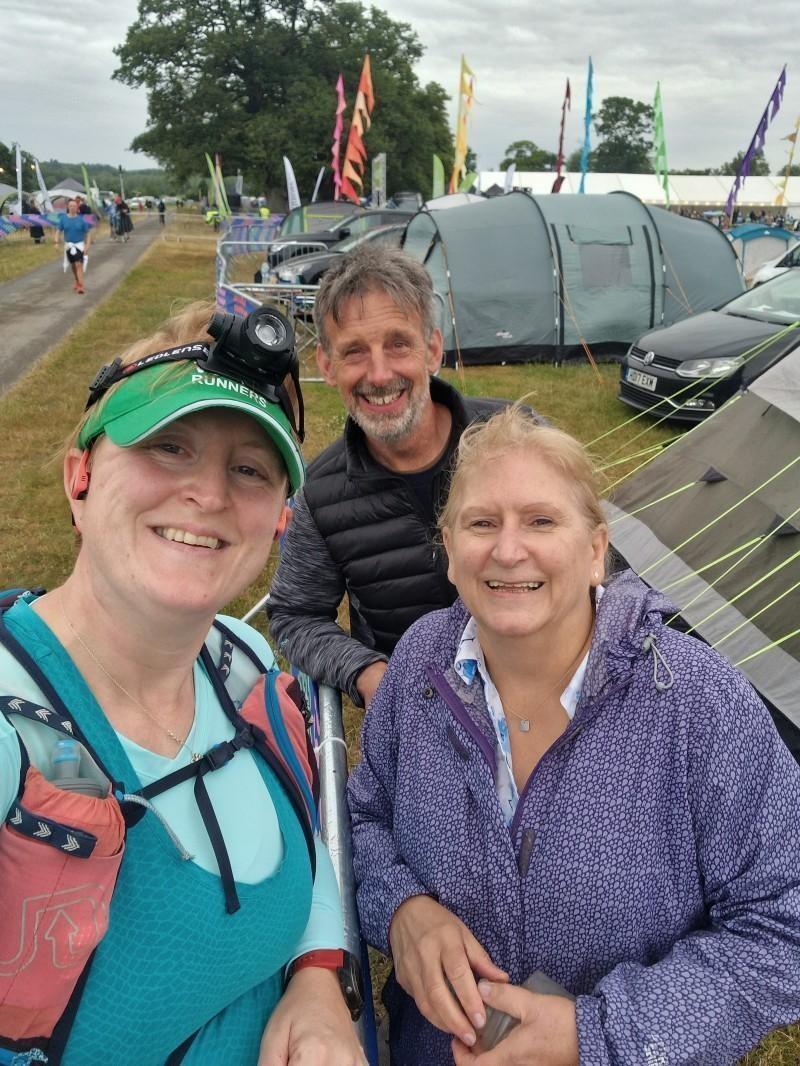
111	373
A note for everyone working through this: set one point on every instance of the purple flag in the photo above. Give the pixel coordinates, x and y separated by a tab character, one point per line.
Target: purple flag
758	141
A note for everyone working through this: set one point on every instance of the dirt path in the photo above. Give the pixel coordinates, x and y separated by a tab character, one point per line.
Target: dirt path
39	308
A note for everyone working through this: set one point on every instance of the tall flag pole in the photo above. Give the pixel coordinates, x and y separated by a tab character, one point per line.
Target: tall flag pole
780	199
19	179
355	156
565	107
336	147
466	98
757	143
587	129
660	144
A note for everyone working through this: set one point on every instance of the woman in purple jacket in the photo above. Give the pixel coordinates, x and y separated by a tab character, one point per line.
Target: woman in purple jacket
555	780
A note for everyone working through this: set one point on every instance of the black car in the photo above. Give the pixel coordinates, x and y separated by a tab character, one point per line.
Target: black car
688	370
308	269
283	248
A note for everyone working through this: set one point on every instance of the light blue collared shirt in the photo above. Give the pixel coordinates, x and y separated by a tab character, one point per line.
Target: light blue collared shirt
470	663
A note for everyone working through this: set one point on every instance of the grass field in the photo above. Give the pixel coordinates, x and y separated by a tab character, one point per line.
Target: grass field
37	543
19	254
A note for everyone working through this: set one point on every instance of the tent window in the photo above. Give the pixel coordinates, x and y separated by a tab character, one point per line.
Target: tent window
605	266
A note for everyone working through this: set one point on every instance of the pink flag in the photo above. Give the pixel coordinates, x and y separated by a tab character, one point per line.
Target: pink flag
337	137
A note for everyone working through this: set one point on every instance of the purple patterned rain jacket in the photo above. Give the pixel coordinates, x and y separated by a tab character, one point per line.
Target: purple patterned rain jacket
652	866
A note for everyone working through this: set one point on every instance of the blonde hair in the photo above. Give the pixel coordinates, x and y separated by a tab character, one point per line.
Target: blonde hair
513	429
187	325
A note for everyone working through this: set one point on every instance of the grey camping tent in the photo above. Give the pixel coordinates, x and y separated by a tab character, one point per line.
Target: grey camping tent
525	278
714	521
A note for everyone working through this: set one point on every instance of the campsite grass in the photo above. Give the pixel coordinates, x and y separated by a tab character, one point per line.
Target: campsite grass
37	544
19	254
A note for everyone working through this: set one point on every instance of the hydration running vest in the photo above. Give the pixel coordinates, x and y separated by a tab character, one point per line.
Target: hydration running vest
64	852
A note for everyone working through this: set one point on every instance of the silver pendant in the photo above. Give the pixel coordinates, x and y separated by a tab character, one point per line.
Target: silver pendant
524	725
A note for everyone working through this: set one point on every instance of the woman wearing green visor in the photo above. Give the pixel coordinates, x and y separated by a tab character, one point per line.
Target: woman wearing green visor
167	899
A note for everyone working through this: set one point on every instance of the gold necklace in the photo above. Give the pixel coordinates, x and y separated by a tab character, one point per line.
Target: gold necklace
525	722
173	736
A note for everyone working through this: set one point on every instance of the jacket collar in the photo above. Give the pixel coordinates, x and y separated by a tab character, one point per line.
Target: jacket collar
628	613
358	457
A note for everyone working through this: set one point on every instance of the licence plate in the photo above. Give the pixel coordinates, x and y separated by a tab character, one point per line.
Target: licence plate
644	381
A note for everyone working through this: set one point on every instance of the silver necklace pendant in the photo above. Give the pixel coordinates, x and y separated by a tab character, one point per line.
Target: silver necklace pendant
524	725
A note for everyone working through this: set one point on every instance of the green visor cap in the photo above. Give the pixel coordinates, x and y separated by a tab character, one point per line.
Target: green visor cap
150	399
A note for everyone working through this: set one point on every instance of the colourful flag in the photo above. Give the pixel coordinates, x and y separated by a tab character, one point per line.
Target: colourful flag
223	205
757	143
213	195
466	98
780	199
468	181
560	157
587	129
47	203
292	192
660	144
89	191
320	176
337	138
437	186
355	155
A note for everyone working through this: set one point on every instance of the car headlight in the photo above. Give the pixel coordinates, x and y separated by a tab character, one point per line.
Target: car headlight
709	368
288	274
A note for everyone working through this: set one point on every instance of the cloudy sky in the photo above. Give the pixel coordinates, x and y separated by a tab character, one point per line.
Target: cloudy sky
717	60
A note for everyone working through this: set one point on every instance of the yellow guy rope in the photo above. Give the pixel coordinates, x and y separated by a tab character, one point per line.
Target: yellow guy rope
767	647
758	542
738	596
719	518
752	618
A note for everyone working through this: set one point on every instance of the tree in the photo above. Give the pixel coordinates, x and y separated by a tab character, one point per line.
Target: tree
759	167
573	163
254	80
624	127
528	156
7	164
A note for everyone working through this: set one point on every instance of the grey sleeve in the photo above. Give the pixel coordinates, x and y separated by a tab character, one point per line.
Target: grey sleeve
302	606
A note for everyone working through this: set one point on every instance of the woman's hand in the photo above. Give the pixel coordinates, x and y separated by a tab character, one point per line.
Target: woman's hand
546	1036
435	956
311	1025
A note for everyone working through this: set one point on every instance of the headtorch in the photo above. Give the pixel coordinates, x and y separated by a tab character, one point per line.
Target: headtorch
257	351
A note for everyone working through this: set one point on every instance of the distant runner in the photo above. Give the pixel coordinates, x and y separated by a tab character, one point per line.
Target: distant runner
76	232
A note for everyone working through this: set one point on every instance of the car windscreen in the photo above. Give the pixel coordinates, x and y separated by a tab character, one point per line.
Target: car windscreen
774	301
382	235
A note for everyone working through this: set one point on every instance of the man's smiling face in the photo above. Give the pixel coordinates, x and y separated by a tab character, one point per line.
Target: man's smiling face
381	362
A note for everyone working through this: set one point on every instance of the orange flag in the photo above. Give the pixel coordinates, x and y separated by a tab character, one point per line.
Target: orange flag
355	155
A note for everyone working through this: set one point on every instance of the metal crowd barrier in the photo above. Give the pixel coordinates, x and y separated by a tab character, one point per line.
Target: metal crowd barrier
327	737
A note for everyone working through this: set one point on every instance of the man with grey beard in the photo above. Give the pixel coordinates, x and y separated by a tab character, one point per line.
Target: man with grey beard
364	524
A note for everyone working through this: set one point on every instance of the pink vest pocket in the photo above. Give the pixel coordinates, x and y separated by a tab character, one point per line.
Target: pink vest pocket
55	904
